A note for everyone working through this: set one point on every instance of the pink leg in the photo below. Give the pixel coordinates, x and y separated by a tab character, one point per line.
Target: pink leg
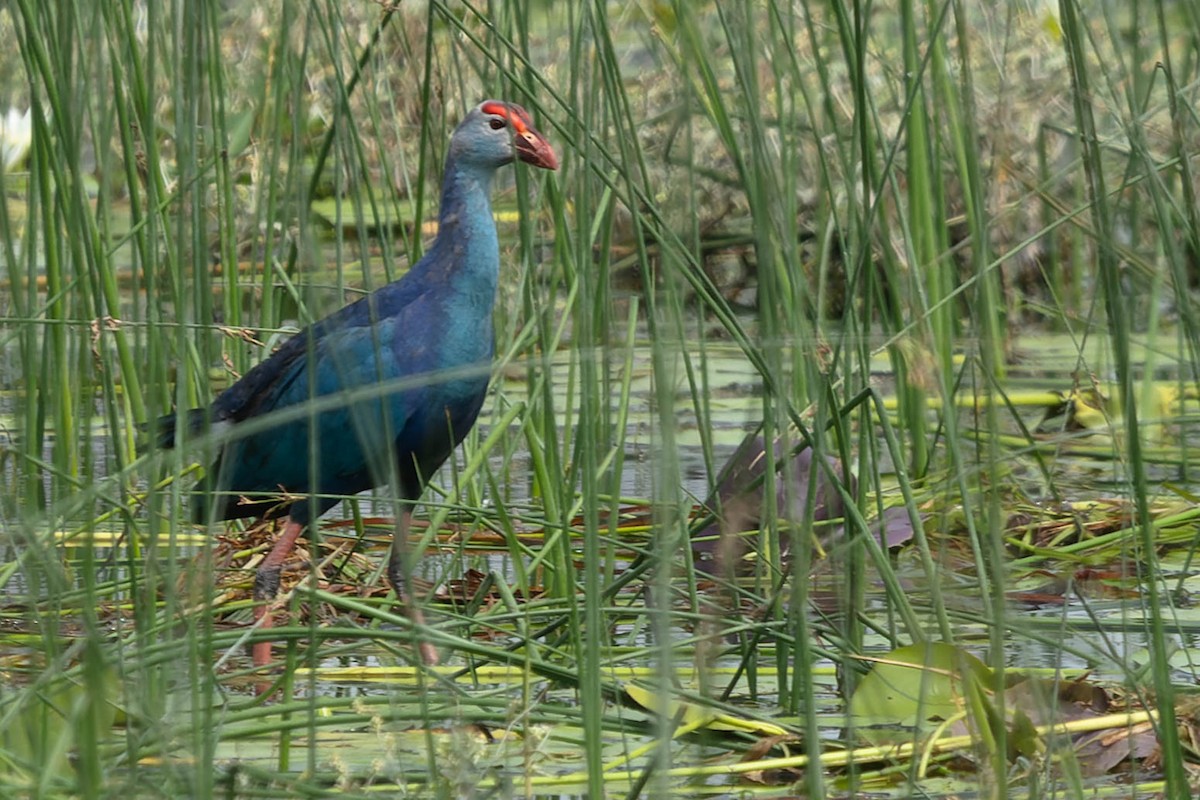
399	577
266	584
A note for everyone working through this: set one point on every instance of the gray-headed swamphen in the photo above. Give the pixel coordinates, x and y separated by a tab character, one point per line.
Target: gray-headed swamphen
430	333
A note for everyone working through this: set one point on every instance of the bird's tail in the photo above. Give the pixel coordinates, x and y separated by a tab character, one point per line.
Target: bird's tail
165	429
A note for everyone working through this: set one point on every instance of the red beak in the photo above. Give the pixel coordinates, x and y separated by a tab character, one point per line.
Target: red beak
532	148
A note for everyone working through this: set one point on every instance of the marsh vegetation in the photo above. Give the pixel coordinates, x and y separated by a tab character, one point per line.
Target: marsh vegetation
949	248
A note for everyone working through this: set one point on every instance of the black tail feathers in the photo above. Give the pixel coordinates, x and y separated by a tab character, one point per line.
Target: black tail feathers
164	429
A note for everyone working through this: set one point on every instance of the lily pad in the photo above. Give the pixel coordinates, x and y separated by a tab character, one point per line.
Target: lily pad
915	689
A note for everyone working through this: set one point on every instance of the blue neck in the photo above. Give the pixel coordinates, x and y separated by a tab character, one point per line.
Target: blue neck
467	231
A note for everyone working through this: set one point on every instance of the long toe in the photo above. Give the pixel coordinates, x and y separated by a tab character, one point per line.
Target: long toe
261	651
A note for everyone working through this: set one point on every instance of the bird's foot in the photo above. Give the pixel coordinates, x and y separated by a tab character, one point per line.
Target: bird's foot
266	586
261	651
425	649
429	654
398	577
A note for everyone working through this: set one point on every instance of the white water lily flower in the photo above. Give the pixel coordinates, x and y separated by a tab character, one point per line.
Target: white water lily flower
16	136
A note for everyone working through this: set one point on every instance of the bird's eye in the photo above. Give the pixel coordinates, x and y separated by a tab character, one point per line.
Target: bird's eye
497	123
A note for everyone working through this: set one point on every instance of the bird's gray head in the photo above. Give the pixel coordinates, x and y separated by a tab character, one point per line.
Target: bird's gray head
495	132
